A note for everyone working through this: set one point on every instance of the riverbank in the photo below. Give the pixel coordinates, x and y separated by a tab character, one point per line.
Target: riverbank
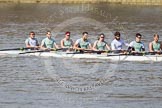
132	2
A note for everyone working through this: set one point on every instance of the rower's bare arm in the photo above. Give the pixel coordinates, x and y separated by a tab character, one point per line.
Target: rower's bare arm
62	43
108	47
90	46
37	47
42	46
76	46
72	43
56	46
94	46
150	47
27	45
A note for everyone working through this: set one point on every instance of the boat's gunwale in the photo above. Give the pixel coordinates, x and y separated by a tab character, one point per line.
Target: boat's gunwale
59	54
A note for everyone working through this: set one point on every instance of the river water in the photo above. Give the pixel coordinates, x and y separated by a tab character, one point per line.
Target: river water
39	82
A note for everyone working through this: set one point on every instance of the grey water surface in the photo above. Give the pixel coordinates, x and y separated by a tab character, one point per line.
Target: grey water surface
46	82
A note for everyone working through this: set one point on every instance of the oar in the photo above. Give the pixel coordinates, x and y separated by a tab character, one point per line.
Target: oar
147	53
135	53
96	51
15	49
57	49
89	51
45	50
34	51
117	54
102	51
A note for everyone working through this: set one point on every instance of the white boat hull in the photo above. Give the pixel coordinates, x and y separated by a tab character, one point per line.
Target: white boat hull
86	56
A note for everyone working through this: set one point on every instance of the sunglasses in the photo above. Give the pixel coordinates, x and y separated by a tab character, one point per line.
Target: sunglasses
117	36
139	37
102	37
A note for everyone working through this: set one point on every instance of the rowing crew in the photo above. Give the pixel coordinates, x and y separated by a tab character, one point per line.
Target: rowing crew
99	45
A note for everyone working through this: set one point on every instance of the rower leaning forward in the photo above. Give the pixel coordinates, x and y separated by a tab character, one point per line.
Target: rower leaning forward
83	44
31	41
100	45
137	45
67	42
155	45
117	43
48	43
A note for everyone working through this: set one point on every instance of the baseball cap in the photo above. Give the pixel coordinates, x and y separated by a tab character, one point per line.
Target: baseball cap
67	33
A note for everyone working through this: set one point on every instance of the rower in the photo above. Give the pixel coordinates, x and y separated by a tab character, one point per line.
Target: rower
67	42
100	44
137	45
117	43
48	42
155	45
32	42
83	43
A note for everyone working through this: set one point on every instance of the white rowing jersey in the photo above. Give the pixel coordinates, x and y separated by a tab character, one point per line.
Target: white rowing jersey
32	42
117	44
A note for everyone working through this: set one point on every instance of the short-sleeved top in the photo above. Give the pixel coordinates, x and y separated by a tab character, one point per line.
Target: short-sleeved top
156	46
138	46
32	42
100	45
83	44
48	43
67	43
117	44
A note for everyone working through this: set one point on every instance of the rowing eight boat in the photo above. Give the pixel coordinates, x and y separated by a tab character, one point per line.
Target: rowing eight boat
59	54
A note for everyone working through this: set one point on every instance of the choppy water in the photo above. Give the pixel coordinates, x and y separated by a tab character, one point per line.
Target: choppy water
31	82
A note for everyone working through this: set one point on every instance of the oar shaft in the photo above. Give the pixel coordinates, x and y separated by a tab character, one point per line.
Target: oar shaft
145	53
15	49
134	53
57	49
34	51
